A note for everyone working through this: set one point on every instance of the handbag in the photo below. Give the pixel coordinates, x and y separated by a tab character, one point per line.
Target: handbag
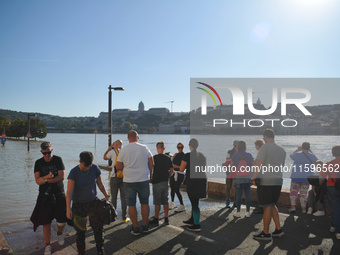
106	212
313	180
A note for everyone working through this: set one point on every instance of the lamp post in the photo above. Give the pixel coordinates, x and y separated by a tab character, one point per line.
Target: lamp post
29	130
110	115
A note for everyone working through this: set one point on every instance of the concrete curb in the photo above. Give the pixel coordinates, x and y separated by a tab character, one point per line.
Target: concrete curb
5	249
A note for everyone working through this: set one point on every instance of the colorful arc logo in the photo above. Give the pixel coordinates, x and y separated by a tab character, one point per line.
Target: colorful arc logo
213	90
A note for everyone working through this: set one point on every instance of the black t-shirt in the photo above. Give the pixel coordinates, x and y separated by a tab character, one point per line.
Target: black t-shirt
196	180
53	166
178	159
161	168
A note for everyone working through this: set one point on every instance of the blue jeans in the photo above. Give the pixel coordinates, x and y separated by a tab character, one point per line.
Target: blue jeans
333	196
239	193
132	189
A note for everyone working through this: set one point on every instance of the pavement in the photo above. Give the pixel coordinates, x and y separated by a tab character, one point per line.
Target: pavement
221	234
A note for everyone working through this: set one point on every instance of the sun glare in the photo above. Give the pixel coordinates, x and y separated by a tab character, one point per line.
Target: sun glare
313	5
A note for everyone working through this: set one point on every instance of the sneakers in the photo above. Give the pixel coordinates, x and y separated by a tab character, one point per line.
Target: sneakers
319	213
47	250
61	239
258	210
166	221
227	205
292	209
126	219
337	235
154	221
194	228
146	228
263	236
172	206
189	222
247	214
278	233
237	215
135	231
304	210
310	210
180	208
332	229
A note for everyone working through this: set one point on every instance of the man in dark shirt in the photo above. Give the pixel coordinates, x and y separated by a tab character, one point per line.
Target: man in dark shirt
163	169
49	173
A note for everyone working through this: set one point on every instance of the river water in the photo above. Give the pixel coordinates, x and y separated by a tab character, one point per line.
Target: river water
18	190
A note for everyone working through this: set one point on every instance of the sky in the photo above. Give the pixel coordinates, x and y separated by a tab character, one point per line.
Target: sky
59	57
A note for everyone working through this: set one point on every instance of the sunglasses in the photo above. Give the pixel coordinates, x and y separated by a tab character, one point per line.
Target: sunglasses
48	152
180	147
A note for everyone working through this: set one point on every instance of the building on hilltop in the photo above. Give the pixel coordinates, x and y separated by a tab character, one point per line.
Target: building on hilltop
127	113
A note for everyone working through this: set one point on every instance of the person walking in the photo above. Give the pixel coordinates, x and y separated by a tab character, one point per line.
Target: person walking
116	178
269	184
196	182
303	159
136	162
82	191
176	180
49	173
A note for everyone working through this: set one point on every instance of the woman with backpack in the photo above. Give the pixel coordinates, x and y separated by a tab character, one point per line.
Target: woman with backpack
331	170
241	163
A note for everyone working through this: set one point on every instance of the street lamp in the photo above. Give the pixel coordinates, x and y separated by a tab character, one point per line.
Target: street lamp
110	114
29	130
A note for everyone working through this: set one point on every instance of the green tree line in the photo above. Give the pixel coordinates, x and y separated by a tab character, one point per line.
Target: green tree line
19	127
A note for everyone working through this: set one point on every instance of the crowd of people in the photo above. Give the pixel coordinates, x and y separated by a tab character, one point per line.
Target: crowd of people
308	183
134	168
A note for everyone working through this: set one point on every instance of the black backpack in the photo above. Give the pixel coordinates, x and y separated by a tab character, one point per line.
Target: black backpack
107	212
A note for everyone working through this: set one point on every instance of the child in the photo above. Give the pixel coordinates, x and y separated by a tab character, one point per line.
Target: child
162	170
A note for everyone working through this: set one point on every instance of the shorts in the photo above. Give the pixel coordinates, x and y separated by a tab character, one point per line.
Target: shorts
60	208
160	193
142	189
268	195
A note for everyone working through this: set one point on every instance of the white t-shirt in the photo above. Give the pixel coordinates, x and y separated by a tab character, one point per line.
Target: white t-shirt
112	155
135	157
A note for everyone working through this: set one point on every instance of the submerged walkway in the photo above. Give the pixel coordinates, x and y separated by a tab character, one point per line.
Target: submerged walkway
221	234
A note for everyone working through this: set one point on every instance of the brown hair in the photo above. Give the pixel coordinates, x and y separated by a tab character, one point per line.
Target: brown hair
160	144
336	150
259	142
241	146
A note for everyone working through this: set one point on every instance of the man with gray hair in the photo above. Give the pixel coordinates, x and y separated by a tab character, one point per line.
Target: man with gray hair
136	161
49	173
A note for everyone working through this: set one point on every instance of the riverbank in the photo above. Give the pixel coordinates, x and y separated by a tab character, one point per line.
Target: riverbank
221	234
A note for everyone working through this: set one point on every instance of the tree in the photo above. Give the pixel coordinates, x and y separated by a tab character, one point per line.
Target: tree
4	123
38	128
18	128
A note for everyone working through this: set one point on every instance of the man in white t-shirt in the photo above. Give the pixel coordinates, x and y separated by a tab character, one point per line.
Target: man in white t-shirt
136	161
